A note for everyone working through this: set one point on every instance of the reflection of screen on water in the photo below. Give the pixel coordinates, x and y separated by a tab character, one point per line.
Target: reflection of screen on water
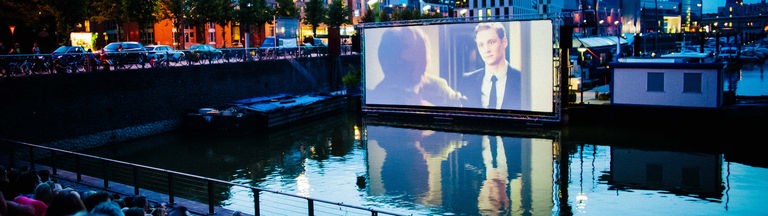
397	72
468	174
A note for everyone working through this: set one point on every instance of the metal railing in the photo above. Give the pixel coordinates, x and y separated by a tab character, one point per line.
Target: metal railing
34	64
175	187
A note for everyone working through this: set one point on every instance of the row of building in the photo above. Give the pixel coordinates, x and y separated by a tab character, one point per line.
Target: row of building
597	17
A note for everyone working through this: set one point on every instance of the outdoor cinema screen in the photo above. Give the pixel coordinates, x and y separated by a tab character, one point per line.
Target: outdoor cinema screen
482	65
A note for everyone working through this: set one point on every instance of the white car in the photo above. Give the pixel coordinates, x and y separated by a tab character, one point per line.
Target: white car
164	52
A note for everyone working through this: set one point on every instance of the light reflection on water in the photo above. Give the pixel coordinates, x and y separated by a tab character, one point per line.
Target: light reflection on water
428	172
750	80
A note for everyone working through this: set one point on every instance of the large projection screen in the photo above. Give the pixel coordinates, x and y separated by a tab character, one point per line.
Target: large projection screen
443	66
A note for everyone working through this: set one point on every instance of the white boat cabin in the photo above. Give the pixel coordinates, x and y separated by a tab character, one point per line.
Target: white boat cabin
665	82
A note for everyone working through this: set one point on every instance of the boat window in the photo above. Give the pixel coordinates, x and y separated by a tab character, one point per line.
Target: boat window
655	82
692	82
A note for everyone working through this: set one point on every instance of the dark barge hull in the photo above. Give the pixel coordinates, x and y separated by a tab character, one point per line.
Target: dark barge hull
258	114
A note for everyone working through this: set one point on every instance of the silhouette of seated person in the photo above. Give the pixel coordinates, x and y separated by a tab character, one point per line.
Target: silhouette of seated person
403	56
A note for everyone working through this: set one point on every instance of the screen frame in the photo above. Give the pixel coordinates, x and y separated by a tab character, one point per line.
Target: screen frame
548	115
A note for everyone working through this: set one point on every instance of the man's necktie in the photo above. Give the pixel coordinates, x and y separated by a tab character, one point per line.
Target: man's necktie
492	98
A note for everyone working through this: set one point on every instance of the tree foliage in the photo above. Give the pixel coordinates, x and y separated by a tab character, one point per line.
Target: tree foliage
27	13
384	17
254	12
338	14
223	14
62	16
108	10
169	9
314	14
140	11
370	16
287	8
201	12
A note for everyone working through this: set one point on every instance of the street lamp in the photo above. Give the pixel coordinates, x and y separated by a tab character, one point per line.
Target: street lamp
12	28
581	50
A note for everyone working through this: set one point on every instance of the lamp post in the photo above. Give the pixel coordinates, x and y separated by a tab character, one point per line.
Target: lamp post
581	50
618	39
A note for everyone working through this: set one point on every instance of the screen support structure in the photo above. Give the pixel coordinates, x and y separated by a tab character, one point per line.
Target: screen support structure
566	43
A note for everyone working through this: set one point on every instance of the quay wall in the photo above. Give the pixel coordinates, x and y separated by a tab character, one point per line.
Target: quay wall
83	110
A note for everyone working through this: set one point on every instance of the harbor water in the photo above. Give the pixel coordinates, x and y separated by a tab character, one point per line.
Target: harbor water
417	170
751	80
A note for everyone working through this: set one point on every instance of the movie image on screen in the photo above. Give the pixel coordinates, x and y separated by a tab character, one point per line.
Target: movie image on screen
486	65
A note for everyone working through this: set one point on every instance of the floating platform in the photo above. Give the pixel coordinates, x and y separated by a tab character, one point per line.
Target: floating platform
263	112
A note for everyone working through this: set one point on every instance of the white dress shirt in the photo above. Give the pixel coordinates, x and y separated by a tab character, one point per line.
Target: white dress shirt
500	87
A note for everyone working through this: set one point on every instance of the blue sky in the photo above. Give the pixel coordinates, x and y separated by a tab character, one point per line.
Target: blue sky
710	6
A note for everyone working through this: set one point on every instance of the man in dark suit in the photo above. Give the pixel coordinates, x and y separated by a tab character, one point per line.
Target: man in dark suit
496	85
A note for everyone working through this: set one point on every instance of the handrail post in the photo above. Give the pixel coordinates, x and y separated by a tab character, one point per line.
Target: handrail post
106	178
310	207
77	168
135	180
170	188
12	156
32	158
210	198
256	202
53	164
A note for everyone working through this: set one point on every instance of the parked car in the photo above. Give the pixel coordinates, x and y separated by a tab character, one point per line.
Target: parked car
68	59
204	51
284	46
317	47
69	54
121	53
164	53
319	42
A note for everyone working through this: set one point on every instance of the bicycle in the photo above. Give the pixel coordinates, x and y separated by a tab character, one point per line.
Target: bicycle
40	65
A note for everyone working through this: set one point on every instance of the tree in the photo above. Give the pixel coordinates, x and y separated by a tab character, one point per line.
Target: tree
406	14
254	12
338	15
109	10
141	12
314	14
286	8
201	12
223	14
195	13
173	10
369	16
24	12
67	14
384	17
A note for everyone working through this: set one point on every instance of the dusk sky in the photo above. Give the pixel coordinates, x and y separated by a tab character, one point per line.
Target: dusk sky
710	6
